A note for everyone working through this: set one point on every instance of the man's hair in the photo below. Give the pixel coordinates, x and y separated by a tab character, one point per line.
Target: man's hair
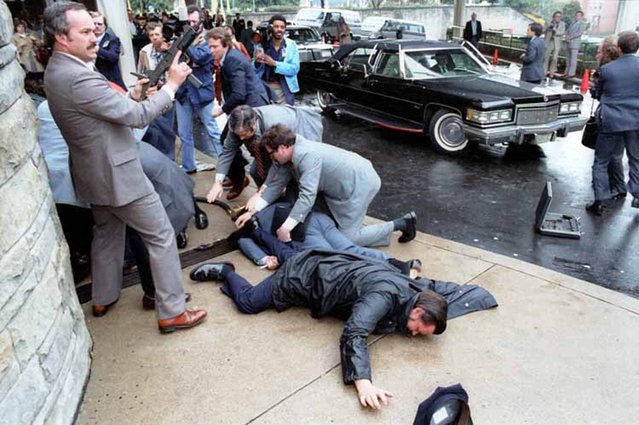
536	28
435	309
277	18
579	12
242	117
96	14
230	29
609	50
249	24
153	25
219	33
55	20
278	135
193	8
628	42
557	12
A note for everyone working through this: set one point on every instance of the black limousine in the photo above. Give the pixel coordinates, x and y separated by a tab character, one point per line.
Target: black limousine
442	90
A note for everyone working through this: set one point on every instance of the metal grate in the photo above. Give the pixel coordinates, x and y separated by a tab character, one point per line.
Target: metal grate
527	116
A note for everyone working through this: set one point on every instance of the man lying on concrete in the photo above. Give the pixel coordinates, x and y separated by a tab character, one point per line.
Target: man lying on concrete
371	295
319	231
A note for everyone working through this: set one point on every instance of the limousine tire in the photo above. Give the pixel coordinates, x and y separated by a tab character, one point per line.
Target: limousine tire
446	133
324	98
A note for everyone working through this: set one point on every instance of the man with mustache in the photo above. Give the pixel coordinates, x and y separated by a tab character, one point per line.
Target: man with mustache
97	122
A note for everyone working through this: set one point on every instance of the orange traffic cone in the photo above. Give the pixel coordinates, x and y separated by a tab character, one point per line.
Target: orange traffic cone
585	82
496	57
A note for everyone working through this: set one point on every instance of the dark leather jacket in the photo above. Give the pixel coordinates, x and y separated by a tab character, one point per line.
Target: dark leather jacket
371	296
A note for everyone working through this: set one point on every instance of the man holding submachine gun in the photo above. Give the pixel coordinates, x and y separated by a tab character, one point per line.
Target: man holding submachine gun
197	94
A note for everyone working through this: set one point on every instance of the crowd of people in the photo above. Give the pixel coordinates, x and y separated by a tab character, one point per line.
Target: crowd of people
109	152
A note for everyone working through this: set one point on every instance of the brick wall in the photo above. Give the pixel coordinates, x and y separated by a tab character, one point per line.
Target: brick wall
44	343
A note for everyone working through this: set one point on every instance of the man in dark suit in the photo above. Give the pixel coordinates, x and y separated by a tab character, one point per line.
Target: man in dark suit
108	60
472	31
96	122
240	86
533	59
619	97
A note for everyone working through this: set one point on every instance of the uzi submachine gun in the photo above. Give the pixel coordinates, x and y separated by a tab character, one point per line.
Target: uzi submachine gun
182	43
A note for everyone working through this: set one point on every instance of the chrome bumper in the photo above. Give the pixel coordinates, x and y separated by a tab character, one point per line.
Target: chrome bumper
516	133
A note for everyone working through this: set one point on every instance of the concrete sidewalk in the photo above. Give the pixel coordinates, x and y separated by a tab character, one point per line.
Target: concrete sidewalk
557	350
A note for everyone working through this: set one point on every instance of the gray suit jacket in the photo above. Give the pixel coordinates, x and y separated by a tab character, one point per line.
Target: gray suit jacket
619	90
96	122
303	121
573	34
342	177
533	60
554	33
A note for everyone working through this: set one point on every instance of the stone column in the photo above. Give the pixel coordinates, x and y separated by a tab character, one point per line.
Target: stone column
44	344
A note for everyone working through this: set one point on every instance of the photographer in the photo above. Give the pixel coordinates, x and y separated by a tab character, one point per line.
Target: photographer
553	36
279	63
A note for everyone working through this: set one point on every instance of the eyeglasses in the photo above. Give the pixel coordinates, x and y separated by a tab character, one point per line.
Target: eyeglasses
99	24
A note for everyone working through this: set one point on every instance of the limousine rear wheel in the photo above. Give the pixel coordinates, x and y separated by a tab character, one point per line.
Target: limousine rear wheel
446	132
324	99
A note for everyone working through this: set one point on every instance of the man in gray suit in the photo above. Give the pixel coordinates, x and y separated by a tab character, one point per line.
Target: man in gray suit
347	182
97	122
246	125
618	92
573	41
553	37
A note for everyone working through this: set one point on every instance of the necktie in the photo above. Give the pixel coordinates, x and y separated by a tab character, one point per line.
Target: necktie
259	159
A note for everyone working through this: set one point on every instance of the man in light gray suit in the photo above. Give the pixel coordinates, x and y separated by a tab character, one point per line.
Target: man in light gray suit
246	125
97	122
347	182
553	36
573	43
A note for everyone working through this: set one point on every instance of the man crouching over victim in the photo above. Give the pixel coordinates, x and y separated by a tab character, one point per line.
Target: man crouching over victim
372	296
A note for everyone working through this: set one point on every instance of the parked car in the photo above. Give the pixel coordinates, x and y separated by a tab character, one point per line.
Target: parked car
325	20
399	28
310	44
442	91
372	24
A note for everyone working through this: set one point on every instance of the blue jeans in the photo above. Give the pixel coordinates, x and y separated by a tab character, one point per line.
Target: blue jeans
184	113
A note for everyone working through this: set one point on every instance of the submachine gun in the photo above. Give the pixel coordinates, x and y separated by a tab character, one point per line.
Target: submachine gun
182	43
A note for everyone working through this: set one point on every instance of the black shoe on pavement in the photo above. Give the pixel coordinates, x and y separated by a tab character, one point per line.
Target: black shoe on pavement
410	228
619	196
635	203
211	271
201	220
182	239
596	208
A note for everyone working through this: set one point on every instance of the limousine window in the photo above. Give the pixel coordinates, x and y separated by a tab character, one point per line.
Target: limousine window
438	64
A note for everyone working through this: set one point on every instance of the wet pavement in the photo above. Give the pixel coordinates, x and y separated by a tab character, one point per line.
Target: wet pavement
488	199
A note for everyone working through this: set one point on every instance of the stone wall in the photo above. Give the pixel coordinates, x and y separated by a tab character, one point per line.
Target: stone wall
44	344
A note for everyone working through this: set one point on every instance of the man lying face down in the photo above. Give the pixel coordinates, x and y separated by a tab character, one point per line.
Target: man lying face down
372	296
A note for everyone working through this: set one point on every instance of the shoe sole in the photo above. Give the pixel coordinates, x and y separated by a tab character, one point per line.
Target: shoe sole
218	262
403	239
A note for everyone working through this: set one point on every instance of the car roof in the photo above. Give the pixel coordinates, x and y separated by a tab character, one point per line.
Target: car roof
394	45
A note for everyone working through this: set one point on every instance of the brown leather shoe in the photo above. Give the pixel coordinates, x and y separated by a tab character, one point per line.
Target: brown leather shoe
237	189
188	319
148	303
102	310
227	183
